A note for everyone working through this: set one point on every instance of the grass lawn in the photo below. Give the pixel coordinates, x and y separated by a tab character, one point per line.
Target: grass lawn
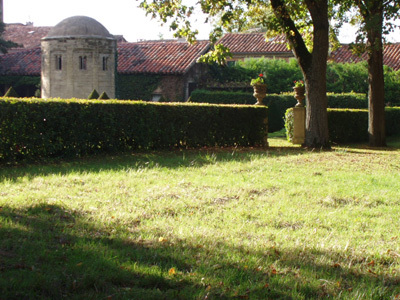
277	223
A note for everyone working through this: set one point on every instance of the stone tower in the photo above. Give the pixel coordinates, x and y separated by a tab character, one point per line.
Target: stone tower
78	55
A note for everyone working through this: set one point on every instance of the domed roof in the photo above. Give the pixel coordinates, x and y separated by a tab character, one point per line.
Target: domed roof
79	26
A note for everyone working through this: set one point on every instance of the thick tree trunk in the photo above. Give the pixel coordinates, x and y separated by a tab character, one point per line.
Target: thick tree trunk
317	133
313	66
376	94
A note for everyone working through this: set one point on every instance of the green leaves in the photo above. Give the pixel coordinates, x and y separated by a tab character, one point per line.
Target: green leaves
218	55
37	129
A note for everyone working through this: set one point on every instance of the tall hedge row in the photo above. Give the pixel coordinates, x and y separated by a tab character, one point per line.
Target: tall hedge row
351	125
36	128
277	104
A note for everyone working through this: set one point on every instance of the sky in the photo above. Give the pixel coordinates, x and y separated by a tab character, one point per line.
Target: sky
120	17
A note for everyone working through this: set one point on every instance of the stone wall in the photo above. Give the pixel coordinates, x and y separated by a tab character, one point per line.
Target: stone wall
80	68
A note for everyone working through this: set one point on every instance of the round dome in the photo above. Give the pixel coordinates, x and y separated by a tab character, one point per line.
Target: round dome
79	26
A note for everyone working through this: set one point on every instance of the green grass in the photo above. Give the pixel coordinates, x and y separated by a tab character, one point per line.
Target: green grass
277	223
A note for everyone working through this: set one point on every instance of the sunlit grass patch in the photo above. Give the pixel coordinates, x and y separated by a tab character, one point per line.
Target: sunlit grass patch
276	223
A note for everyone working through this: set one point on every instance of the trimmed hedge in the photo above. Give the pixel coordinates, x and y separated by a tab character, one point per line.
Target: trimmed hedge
36	128
347	100
350	125
277	104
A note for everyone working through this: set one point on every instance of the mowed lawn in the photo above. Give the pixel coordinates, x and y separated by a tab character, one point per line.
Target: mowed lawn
277	223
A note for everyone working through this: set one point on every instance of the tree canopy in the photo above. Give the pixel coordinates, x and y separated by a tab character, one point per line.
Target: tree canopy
306	26
5	45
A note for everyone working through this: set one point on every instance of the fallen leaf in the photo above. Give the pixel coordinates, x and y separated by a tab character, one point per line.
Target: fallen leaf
372	272
273	270
162	239
79	264
372	263
172	272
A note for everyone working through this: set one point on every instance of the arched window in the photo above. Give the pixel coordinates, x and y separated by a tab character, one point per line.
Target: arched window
58	62
82	63
105	63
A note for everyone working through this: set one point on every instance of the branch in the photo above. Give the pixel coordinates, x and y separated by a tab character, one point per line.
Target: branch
290	30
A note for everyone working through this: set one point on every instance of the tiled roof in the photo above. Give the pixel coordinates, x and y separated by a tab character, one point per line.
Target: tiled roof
24	62
344	55
253	43
159	57
391	55
27	35
153	57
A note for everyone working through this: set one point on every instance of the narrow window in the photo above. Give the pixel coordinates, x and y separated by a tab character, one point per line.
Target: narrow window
82	62
105	63
58	62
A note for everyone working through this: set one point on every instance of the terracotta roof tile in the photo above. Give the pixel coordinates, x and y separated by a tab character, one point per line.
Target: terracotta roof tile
26	62
345	55
156	57
253	43
391	55
159	57
27	35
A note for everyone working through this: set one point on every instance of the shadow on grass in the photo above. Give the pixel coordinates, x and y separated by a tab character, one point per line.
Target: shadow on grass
49	252
151	159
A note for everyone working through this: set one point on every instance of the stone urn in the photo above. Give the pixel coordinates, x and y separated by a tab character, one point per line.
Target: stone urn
299	94
260	91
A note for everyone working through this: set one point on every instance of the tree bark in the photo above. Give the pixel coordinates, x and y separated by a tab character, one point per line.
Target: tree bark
313	65
376	93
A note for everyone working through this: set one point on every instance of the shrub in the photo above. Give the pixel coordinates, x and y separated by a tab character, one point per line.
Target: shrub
341	77
289	124
222	97
392	117
350	125
11	92
93	95
280	74
103	96
136	86
277	104
347	100
36	128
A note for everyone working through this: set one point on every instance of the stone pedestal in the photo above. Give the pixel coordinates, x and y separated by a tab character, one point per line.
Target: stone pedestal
299	126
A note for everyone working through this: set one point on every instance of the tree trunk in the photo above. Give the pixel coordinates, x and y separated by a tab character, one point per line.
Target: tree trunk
313	65
317	133
376	93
